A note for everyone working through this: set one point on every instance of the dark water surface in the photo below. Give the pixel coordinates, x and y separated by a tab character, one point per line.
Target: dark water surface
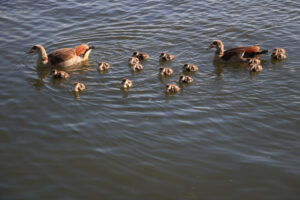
229	135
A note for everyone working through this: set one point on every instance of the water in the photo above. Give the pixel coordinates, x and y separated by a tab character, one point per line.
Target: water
229	135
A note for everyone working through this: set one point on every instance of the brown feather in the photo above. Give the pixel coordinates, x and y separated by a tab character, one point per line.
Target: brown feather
252	49
249	52
61	55
81	49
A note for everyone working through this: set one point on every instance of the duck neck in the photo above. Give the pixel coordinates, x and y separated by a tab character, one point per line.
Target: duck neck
219	51
42	57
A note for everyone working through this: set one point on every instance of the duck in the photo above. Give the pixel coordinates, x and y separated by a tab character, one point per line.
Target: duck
60	74
185	79
190	67
237	54
172	88
137	67
126	83
140	55
165	71
103	66
278	54
62	57
166	57
254	65
133	60
78	87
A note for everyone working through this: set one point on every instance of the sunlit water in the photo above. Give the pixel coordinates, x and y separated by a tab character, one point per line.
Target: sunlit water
229	135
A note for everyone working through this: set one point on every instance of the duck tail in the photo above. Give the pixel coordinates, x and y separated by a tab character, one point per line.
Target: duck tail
263	52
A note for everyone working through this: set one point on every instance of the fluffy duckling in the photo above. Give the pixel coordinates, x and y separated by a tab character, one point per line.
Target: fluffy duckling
133	61
62	57
165	71
126	83
172	88
166	57
103	66
254	65
278	54
137	67
253	61
185	79
190	67
255	68
78	87
237	54
140	55
60	74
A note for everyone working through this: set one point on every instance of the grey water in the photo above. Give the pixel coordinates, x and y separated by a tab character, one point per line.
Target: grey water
229	135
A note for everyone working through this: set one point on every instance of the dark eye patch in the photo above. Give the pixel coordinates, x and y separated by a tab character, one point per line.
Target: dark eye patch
215	43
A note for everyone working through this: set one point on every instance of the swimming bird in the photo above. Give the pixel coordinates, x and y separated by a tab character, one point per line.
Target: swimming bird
140	55
103	66
172	88
278	54
190	67
237	54
78	87
60	74
133	60
254	65
165	71
166	57
62	57
185	79
126	83
137	67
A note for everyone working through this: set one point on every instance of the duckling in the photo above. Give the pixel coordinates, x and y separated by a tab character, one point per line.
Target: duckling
78	87
254	65
253	61
255	68
190	67
103	66
126	83
62	57
140	55
137	67
237	54
165	71
133	61
172	88
185	79
166	57
278	54
60	74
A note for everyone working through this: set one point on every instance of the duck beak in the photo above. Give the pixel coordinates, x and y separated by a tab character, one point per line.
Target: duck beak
210	46
30	51
92	47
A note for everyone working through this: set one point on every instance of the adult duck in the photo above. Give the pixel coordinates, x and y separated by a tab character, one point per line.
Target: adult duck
62	57
237	54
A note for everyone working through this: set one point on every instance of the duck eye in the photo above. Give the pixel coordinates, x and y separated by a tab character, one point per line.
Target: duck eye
34	47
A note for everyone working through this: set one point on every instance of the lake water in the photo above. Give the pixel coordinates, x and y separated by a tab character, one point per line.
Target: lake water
229	135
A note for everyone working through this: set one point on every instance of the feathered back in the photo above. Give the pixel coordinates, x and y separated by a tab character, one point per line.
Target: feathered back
81	49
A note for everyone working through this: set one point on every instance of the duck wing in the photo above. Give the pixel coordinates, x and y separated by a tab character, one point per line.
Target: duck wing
245	52
61	55
81	49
